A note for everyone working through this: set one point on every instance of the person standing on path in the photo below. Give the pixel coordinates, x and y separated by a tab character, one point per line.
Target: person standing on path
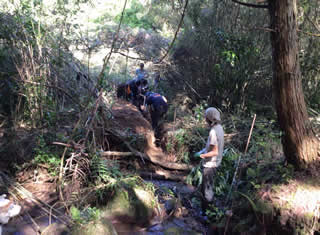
141	72
211	155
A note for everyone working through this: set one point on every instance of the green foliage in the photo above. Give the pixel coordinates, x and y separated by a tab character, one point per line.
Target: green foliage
107	176
105	171
264	135
45	155
309	53
195	176
177	143
184	141
223	177
199	111
84	216
263	164
215	213
225	172
135	16
222	63
189	138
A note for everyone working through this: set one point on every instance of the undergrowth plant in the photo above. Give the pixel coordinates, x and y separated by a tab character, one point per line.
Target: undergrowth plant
183	142
84	216
107	177
105	171
223	178
45	155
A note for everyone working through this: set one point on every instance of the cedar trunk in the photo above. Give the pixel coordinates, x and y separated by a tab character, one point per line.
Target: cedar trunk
298	140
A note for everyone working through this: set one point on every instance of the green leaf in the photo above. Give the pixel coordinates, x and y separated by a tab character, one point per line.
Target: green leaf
251	173
249	199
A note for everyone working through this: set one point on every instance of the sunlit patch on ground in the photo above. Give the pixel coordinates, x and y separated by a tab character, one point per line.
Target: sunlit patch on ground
300	197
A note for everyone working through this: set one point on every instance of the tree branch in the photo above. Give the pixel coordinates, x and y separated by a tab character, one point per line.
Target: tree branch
130	57
107	57
250	4
310	34
175	35
314	24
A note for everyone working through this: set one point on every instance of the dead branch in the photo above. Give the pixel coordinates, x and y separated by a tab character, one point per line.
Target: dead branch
130	57
18	191
171	165
107	57
177	31
309	34
250	5
313	23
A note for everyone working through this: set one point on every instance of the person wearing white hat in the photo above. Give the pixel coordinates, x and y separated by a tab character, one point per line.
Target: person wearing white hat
212	154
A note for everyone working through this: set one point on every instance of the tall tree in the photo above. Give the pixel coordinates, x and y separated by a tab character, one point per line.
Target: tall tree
299	142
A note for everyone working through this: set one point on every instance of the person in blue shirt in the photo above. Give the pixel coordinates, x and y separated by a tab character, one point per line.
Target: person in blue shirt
157	105
141	72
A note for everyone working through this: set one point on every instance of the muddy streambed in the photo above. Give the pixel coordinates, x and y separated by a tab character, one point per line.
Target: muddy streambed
178	213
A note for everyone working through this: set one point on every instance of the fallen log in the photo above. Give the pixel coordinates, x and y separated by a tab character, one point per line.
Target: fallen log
167	165
114	153
143	156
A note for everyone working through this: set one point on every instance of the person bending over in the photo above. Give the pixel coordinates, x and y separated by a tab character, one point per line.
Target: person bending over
157	105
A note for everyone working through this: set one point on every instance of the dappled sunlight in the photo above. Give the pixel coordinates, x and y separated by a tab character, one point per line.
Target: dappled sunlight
299	197
77	155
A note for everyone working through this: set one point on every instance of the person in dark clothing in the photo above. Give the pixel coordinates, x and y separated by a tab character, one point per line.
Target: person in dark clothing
134	89
158	106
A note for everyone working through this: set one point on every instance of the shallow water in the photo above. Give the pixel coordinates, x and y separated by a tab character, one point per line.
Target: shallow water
187	224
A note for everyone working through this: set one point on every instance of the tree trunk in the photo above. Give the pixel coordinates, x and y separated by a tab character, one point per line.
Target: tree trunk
298	140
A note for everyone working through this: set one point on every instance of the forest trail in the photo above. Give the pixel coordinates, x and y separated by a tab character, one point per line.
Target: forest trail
131	119
131	122
128	116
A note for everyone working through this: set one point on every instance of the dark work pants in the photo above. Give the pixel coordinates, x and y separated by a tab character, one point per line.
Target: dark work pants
208	174
156	114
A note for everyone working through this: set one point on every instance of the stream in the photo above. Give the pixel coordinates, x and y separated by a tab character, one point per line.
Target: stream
178	213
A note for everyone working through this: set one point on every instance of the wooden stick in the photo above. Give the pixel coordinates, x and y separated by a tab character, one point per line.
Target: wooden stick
249	137
235	173
238	163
